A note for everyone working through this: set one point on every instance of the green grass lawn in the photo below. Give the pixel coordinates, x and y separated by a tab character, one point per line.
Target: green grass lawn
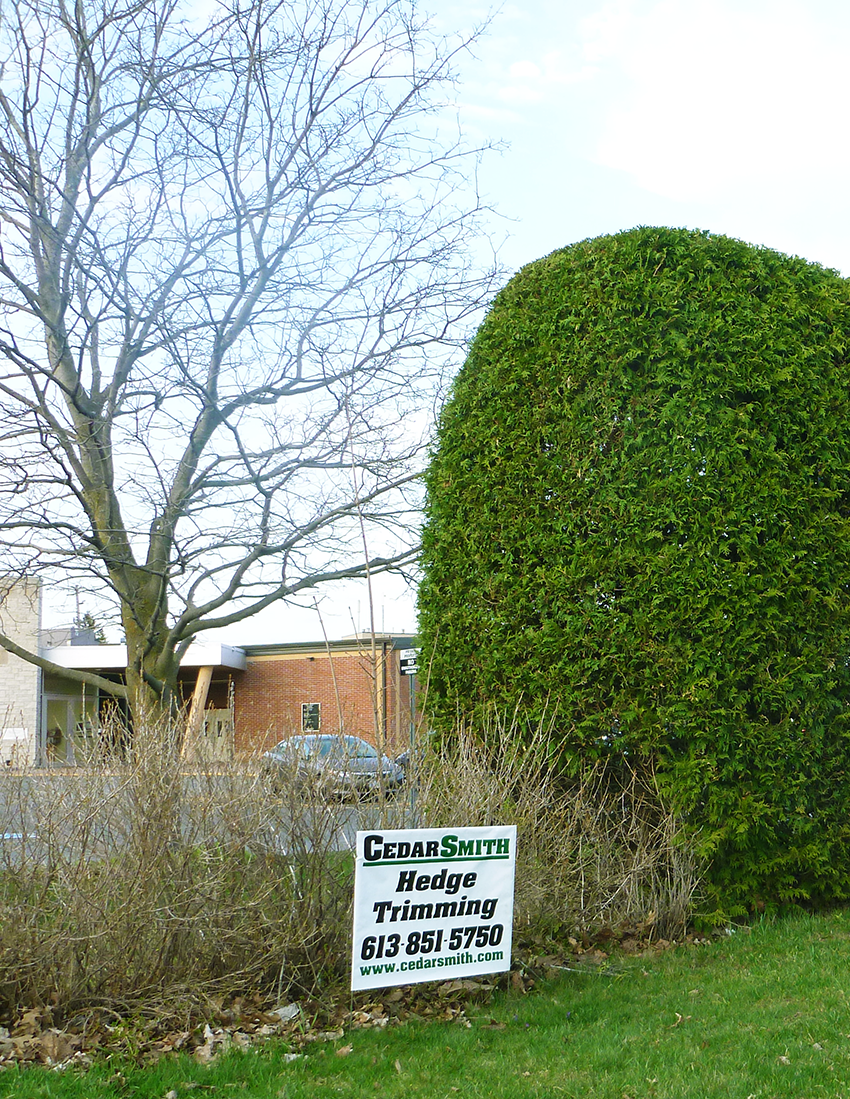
763	1013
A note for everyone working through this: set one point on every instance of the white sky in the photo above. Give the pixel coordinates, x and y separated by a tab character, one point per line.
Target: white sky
729	116
726	116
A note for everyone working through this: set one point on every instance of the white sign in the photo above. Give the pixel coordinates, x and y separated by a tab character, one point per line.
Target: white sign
432	904
409	661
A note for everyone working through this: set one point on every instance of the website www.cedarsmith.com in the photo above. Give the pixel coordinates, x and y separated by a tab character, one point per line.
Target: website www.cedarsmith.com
432	963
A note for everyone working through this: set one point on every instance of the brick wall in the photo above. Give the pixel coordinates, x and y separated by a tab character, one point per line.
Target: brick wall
346	683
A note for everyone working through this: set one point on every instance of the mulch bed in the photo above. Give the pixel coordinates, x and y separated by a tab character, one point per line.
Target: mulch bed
209	1026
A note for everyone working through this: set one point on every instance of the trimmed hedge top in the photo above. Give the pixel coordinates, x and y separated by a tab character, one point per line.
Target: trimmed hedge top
639	518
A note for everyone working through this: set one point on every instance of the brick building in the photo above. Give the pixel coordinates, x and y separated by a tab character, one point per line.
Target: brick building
240	699
351	685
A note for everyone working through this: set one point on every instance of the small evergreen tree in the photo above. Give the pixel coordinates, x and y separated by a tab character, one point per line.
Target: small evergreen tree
639	519
87	623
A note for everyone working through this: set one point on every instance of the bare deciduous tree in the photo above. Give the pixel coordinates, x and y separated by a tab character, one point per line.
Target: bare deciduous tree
232	251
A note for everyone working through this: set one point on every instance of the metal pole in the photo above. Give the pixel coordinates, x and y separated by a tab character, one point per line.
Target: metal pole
414	763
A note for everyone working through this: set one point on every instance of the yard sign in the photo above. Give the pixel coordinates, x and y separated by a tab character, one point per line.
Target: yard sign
432	903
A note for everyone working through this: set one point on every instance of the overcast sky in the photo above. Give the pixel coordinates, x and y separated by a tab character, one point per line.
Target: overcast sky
726	116
730	117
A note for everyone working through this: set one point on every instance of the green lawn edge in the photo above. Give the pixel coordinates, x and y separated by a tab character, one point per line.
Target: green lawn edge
761	1013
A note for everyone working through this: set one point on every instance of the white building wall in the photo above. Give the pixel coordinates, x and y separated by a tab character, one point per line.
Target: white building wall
20	682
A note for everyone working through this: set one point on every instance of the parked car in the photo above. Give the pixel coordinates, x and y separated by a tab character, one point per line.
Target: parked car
333	763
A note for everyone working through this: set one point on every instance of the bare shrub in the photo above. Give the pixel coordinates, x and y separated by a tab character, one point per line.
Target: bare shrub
129	881
598	849
145	879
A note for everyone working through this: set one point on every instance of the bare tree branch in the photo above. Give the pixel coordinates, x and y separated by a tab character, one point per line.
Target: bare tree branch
118	690
234	264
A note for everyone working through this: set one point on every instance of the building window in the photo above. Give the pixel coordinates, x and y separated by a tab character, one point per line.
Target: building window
310	716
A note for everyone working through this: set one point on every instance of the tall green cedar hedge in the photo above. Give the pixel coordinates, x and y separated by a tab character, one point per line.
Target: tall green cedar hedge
638	520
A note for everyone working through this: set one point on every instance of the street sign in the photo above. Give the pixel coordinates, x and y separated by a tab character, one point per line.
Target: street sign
409	661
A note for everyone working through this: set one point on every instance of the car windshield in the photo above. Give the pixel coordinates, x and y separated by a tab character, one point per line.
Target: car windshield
325	745
304	746
360	749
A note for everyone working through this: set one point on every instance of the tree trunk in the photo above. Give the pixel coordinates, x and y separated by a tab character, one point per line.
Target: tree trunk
153	693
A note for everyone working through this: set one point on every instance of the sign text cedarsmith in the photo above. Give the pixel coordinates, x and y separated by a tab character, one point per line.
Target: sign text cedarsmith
432	904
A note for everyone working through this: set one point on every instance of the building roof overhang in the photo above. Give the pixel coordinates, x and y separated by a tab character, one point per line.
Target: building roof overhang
359	643
106	658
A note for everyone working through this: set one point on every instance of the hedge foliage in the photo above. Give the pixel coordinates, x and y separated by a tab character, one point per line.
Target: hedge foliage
639	519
